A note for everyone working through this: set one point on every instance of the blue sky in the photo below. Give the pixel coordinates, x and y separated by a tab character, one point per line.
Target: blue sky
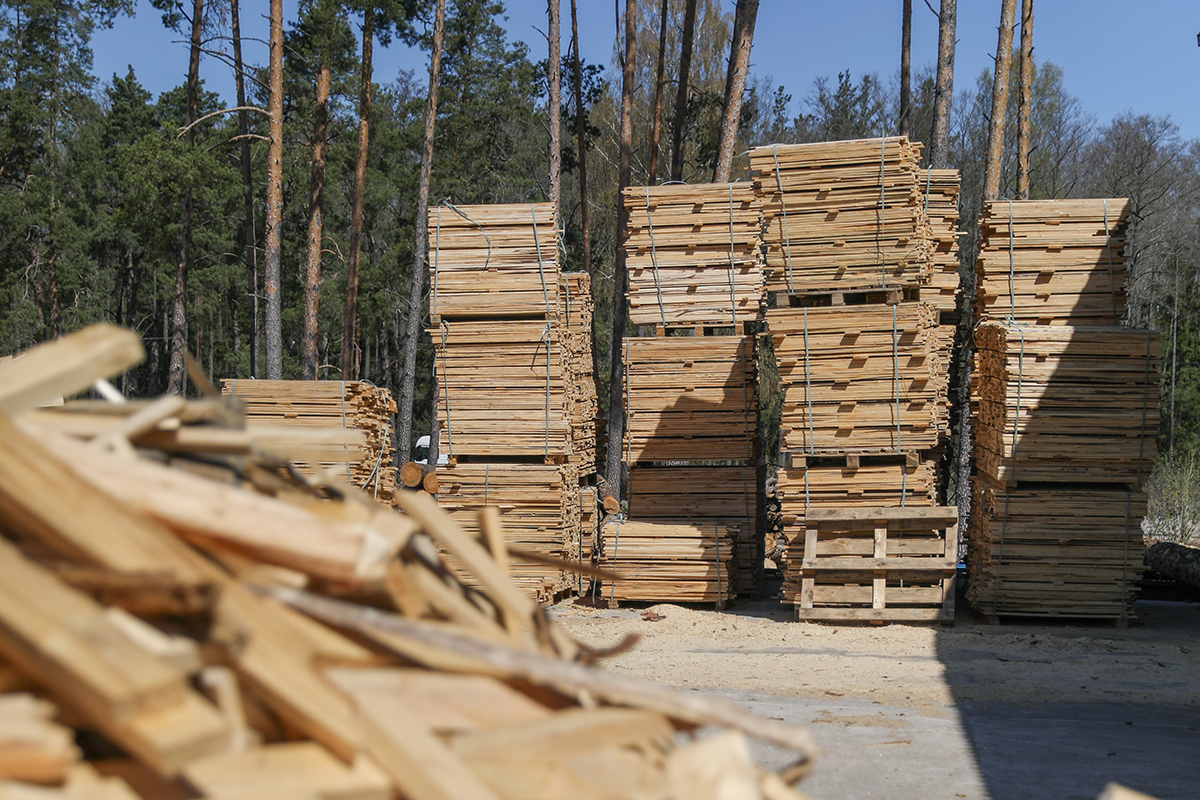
1116	55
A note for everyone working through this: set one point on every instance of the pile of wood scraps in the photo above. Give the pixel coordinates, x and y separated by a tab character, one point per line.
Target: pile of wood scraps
217	625
681	561
693	253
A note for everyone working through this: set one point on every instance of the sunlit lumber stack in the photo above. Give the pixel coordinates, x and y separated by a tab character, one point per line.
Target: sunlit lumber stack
1059	403
941	188
690	398
356	405
667	561
860	378
694	254
1055	550
539	508
1053	262
575	323
703	495
188	618
879	564
493	261
843	214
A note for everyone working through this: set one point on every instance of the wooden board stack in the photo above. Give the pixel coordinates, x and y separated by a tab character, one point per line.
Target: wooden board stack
843	215
1053	262
355	405
578	369
694	254
670	562
188	618
1065	413
942	187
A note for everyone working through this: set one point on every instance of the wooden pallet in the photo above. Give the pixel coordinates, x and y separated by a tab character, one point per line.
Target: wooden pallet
667	561
879	565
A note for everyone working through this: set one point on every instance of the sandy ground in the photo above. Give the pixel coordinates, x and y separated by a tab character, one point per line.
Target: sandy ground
937	711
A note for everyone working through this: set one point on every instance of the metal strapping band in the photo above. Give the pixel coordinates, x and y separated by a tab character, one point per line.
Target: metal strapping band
612	586
446	392
1108	250
882	207
662	314
487	260
549	321
628	416
896	376
1012	302
579	549
437	249
345	447
732	276
928	183
717	542
746	424
546	339
787	241
808	383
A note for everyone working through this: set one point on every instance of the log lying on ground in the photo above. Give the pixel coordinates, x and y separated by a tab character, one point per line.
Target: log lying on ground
1176	561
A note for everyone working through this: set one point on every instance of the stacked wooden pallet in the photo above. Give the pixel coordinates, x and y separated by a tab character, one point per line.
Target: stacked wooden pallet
575	325
942	187
355	405
860	378
690	397
539	508
843	214
673	562
879	564
694	254
1058	403
1055	262
1055	550
493	261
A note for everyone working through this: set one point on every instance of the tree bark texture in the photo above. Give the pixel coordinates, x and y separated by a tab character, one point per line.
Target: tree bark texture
554	86
1024	107
681	94
420	243
350	359
943	90
656	124
249	251
1176	561
735	86
616	406
176	370
316	202
995	151
902	120
273	255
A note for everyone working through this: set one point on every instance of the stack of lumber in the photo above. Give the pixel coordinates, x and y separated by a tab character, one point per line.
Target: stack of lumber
879	564
183	615
1053	262
942	188
694	254
690	398
678	561
843	215
860	378
703	495
1059	403
539	508
1055	550
589	523
583	408
354	405
493	261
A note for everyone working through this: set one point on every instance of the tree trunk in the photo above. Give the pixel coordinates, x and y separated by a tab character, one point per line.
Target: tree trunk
1176	561
995	151
316	201
249	251
176	374
271	284
554	84
350	322
1023	110
420	243
581	145
905	69
616	411
943	90
656	125
681	94
735	86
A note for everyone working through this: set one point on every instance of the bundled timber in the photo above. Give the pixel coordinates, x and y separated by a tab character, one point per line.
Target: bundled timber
1055	550
860	378
941	189
268	684
1053	262
879	564
493	261
540	510
690	398
670	562
1060	403
704	495
354	405
843	214
578	372
694	254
